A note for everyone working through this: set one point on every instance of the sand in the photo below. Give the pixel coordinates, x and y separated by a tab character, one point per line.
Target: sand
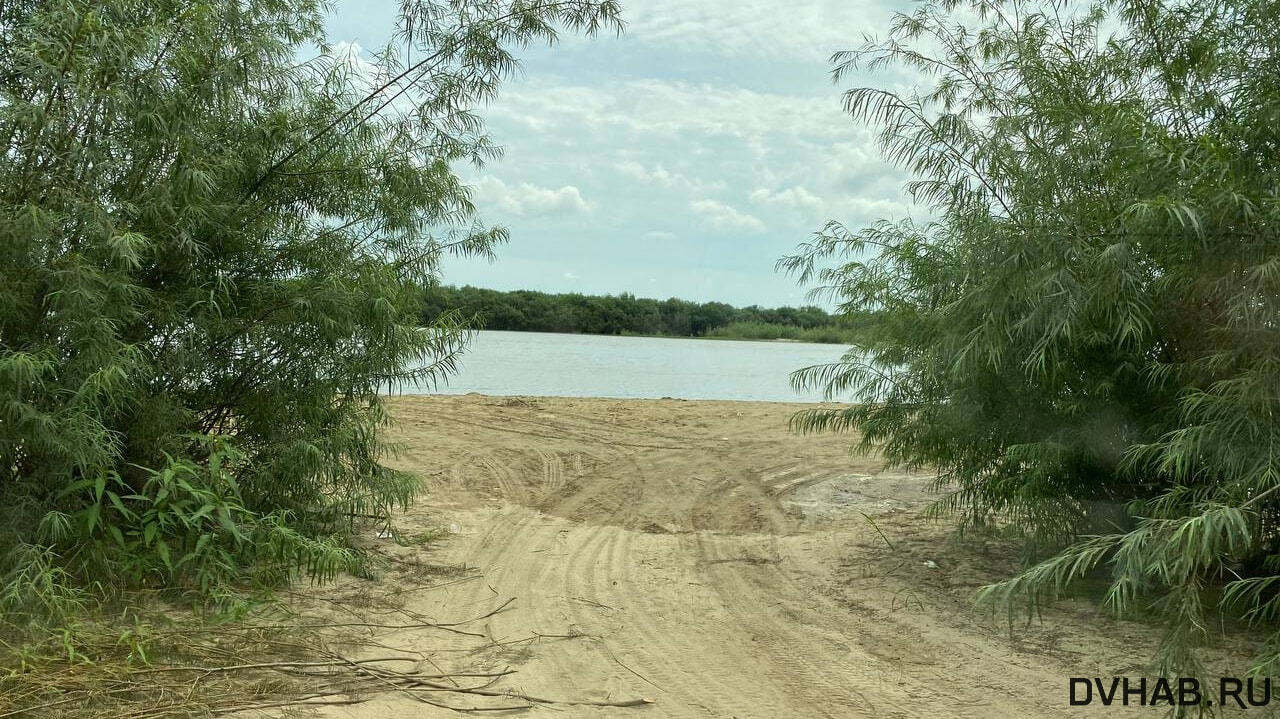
698	554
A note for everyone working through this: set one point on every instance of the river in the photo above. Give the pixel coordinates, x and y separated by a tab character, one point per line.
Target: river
569	365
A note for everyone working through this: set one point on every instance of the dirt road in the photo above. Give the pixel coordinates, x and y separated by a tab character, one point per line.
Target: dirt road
700	555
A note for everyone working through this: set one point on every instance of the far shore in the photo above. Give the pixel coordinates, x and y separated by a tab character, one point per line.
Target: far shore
670	337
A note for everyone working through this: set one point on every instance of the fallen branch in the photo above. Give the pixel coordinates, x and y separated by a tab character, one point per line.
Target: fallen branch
270	665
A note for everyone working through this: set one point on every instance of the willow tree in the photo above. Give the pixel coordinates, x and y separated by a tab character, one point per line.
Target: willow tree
211	259
1084	338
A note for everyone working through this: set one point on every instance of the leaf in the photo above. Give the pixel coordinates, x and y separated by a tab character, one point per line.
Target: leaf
91	517
162	551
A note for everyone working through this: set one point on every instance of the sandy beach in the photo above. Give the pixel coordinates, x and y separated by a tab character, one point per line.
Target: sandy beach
699	555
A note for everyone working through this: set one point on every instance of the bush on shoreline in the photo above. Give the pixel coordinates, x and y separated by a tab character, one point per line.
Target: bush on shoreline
1086	342
211	263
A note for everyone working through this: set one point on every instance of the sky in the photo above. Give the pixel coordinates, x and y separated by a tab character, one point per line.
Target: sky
681	159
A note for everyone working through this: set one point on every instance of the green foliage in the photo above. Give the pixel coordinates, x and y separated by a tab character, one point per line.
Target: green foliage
186	525
211	266
36	590
1085	340
526	310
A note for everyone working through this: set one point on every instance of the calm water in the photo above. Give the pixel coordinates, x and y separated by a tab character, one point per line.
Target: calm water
537	363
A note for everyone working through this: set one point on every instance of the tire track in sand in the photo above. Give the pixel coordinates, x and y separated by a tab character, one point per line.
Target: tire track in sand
698	582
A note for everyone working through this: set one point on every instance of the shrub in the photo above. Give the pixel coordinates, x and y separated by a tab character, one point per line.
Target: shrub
1085	340
211	264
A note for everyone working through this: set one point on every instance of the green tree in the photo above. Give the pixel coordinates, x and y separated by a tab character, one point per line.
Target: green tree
1086	341
608	314
211	263
709	315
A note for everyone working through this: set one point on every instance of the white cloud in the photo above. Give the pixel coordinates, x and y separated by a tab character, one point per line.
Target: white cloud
662	177
795	154
793	198
660	236
672	109
527	200
724	218
867	209
810	30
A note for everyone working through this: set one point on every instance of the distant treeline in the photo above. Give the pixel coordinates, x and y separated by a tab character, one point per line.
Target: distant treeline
626	314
